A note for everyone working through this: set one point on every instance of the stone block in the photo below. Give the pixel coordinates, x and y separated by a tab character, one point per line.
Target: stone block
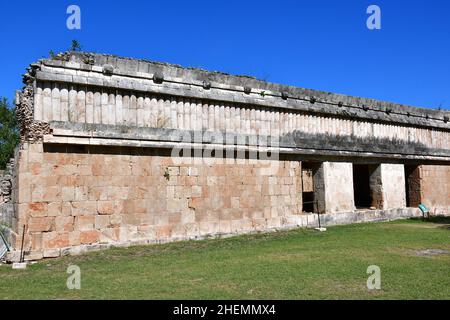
64	223
37	209
109	235
83	208
89	237
85	223
36	241
192	230
41	224
33	256
52	253
54	209
102	222
106	207
67	193
54	240
13	256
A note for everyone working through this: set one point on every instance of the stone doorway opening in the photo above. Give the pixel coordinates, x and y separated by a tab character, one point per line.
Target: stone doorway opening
412	185
367	186
309	188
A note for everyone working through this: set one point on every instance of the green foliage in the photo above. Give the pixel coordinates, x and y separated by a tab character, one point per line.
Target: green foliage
75	46
9	132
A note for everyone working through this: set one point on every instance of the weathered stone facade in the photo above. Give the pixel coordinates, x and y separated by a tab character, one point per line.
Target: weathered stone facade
97	167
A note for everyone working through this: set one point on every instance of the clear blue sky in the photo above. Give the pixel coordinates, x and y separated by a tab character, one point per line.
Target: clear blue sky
320	44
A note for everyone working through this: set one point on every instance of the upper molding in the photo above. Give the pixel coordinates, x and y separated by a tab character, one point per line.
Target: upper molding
172	79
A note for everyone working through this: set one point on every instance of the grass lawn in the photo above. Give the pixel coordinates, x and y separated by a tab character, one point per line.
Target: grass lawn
298	264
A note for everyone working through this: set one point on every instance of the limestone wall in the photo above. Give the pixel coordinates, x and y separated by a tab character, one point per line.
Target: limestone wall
70	198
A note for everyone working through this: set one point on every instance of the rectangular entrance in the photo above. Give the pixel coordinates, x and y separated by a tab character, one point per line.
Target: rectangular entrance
361	186
309	197
412	185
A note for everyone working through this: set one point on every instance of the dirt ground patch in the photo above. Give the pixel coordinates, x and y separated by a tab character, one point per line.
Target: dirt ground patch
431	252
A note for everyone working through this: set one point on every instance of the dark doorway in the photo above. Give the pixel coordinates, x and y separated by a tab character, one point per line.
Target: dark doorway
412	185
361	186
309	169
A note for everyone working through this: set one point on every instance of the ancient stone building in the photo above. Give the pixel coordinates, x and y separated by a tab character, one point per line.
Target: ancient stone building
119	151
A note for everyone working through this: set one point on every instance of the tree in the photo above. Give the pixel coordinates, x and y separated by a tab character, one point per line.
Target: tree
75	46
9	132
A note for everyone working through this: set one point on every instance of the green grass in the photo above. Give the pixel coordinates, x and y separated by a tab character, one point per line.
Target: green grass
299	264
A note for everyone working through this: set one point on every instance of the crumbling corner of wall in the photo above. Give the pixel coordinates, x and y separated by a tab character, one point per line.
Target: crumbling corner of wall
30	129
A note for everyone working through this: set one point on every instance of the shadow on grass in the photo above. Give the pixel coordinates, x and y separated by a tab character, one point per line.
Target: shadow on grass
443	220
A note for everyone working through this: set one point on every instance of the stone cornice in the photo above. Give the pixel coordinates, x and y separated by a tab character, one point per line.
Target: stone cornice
145	76
107	135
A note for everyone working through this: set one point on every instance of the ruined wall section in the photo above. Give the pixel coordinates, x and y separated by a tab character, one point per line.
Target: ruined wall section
31	127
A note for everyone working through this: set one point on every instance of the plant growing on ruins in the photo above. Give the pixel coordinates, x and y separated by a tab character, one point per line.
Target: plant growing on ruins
75	46
167	174
9	132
